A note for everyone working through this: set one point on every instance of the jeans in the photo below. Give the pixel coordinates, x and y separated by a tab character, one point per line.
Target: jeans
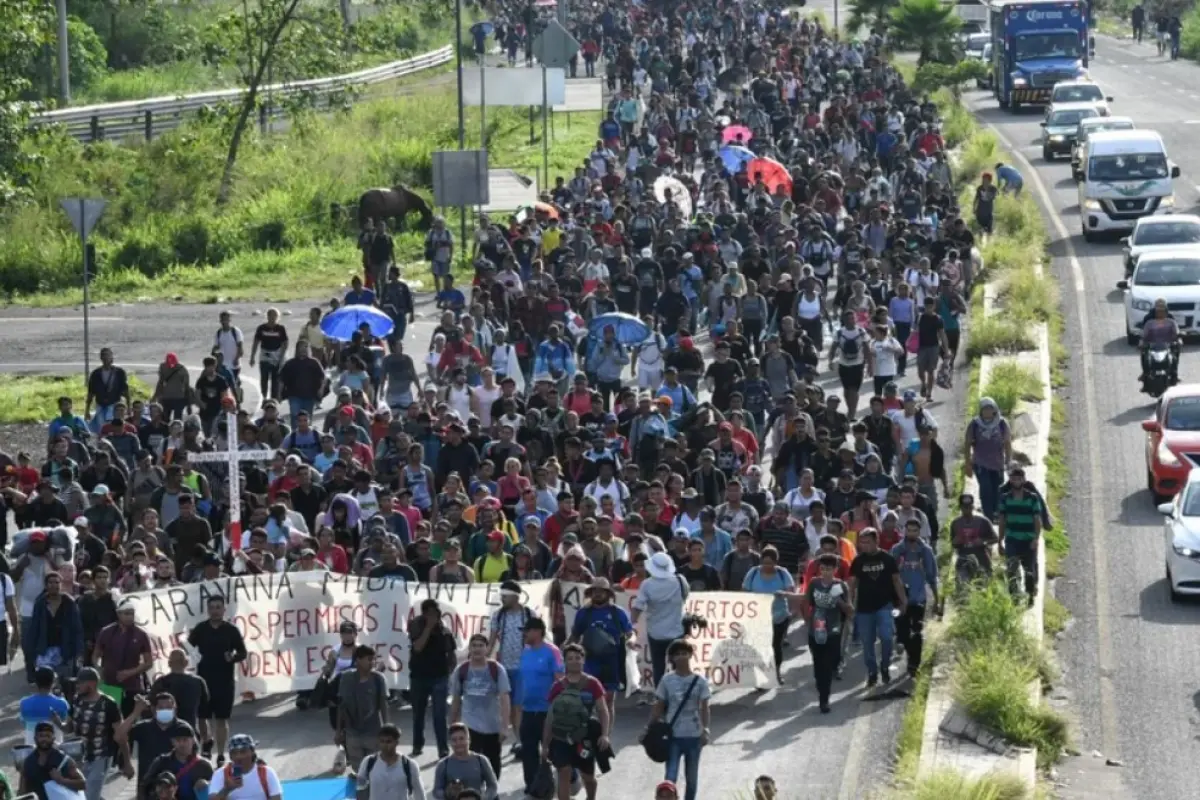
825	658
27	648
778	634
427	692
910	633
102	415
298	404
687	749
94	773
1020	555
532	723
658	657
990	481
268	378
174	409
869	625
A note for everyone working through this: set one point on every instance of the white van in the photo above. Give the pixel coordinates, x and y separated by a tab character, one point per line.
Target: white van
1126	175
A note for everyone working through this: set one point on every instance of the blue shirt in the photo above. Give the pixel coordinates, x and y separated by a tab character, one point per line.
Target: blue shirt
41	708
74	423
716	550
756	581
616	622
361	297
538	667
918	570
1009	175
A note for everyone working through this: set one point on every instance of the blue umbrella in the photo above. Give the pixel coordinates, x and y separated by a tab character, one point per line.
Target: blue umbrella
629	329
733	156
482	29
343	323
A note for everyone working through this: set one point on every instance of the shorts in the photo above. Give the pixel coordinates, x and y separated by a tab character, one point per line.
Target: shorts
220	700
851	377
565	754
514	685
440	268
928	358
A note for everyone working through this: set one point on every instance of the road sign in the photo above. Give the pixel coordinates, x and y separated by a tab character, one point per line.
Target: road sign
84	213
460	178
555	46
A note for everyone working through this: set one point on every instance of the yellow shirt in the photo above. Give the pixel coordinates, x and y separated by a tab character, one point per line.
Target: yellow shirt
491	568
551	240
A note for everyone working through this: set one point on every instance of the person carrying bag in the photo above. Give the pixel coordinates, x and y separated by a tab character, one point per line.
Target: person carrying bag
657	740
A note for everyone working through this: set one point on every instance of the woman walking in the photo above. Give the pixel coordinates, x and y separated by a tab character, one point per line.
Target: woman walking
767	578
826	607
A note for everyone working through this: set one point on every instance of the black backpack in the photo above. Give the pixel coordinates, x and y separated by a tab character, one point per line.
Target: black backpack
405	760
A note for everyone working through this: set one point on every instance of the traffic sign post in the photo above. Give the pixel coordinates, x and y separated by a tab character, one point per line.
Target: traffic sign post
555	47
84	213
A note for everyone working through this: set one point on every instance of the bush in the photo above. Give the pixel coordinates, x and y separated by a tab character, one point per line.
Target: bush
86	53
949	784
997	335
1009	383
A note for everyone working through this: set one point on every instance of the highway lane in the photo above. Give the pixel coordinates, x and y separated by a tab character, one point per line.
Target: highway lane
1129	656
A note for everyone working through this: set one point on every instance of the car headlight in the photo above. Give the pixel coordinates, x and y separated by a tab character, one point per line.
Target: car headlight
1185	552
1141	305
1019	82
1058	137
1165	456
1167	202
1091	205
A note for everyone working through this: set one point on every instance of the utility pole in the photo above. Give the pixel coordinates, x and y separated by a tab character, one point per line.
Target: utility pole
462	122
64	56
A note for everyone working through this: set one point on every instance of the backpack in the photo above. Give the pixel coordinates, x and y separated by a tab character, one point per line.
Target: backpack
465	667
657	741
571	714
597	639
260	768
849	344
405	760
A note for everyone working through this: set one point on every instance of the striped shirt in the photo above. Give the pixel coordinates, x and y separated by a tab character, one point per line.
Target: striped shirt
1020	515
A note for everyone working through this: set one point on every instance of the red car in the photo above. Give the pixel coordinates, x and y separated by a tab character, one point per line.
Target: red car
1173	441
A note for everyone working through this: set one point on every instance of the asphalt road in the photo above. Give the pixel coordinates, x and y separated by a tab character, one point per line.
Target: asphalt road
1130	653
846	754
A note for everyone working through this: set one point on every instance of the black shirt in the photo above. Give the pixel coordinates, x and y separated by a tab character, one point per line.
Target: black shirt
701	579
724	375
37	774
209	391
213	642
190	693
152	741
873	573
396	571
308	503
928	327
433	662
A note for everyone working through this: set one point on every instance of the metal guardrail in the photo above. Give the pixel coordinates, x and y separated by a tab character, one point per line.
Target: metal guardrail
149	117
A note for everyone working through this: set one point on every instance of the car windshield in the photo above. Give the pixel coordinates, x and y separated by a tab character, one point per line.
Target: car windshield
1167	233
1060	119
1060	44
1183	414
976	42
1078	93
1128	167
1168	272
1087	130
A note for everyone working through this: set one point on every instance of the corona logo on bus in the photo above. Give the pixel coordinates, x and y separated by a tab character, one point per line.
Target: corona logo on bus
1037	15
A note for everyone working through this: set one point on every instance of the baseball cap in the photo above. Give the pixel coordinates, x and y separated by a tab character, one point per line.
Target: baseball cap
101	490
495	536
38	536
910	396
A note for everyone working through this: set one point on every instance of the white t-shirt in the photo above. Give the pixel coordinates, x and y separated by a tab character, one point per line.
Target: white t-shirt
798	504
227	342
885	353
252	784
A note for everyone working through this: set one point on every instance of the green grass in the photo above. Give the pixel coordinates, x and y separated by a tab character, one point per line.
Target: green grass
949	785
1054	617
164	237
1010	383
912	724
997	335
33	399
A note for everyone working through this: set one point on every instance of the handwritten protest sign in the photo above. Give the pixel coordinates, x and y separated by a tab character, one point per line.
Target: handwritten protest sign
290	622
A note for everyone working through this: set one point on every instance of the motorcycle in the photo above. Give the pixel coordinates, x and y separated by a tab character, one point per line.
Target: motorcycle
1158	373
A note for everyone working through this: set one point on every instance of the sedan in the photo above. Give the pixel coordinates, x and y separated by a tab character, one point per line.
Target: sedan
1172	274
1173	441
1181	533
1062	125
1161	232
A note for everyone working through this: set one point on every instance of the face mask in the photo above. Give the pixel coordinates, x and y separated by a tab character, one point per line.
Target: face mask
164	716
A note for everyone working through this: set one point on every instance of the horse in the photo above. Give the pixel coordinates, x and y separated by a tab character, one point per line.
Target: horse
396	202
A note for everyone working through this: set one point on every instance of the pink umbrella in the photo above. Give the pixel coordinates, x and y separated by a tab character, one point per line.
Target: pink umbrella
734	132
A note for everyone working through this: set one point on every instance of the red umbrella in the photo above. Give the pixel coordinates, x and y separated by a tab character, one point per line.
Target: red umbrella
772	173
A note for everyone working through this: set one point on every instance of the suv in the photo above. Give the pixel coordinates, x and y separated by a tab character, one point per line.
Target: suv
1061	126
1081	90
1086	128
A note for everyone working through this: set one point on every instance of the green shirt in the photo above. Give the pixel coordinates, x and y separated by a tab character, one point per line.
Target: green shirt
1020	515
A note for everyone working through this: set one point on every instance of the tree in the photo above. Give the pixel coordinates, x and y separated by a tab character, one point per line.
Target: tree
869	14
952	77
927	26
24	25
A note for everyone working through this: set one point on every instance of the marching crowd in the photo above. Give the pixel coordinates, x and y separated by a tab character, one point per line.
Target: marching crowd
626	395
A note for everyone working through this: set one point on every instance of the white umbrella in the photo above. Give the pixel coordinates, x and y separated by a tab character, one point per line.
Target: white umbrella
679	193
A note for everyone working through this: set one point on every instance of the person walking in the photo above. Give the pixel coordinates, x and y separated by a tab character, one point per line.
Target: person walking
1020	515
220	645
462	770
507	641
919	574
682	697
826	607
480	692
988	448
432	659
661	599
94	719
767	578
541	666
388	774
877	589
362	705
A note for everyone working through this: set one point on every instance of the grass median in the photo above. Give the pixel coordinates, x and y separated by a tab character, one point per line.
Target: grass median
33	399
163	236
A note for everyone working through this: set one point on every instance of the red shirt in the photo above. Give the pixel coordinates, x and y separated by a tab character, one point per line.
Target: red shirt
284	483
336	559
113	428
553	529
813	569
590	685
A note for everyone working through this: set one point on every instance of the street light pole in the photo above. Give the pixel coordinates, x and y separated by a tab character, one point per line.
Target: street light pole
462	122
64	56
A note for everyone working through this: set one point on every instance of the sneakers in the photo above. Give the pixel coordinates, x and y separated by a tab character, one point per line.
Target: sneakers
887	675
825	707
206	749
339	761
872	680
515	749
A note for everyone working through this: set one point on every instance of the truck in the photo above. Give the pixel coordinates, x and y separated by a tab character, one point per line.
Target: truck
1036	44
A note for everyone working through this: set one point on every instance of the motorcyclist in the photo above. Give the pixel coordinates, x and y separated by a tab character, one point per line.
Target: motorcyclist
1159	331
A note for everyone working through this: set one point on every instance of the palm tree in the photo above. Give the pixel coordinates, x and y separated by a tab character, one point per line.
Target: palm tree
868	14
927	26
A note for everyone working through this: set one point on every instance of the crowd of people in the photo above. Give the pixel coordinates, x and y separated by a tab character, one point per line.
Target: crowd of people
766	204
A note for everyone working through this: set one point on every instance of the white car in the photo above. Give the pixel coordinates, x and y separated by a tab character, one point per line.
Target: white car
1080	90
1181	532
1086	128
1172	274
1158	233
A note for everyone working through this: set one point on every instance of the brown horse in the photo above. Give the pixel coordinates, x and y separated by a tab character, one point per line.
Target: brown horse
394	203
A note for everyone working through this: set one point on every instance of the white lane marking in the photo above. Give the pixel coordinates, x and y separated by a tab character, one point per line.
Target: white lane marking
1108	715
252	389
49	320
1191	121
